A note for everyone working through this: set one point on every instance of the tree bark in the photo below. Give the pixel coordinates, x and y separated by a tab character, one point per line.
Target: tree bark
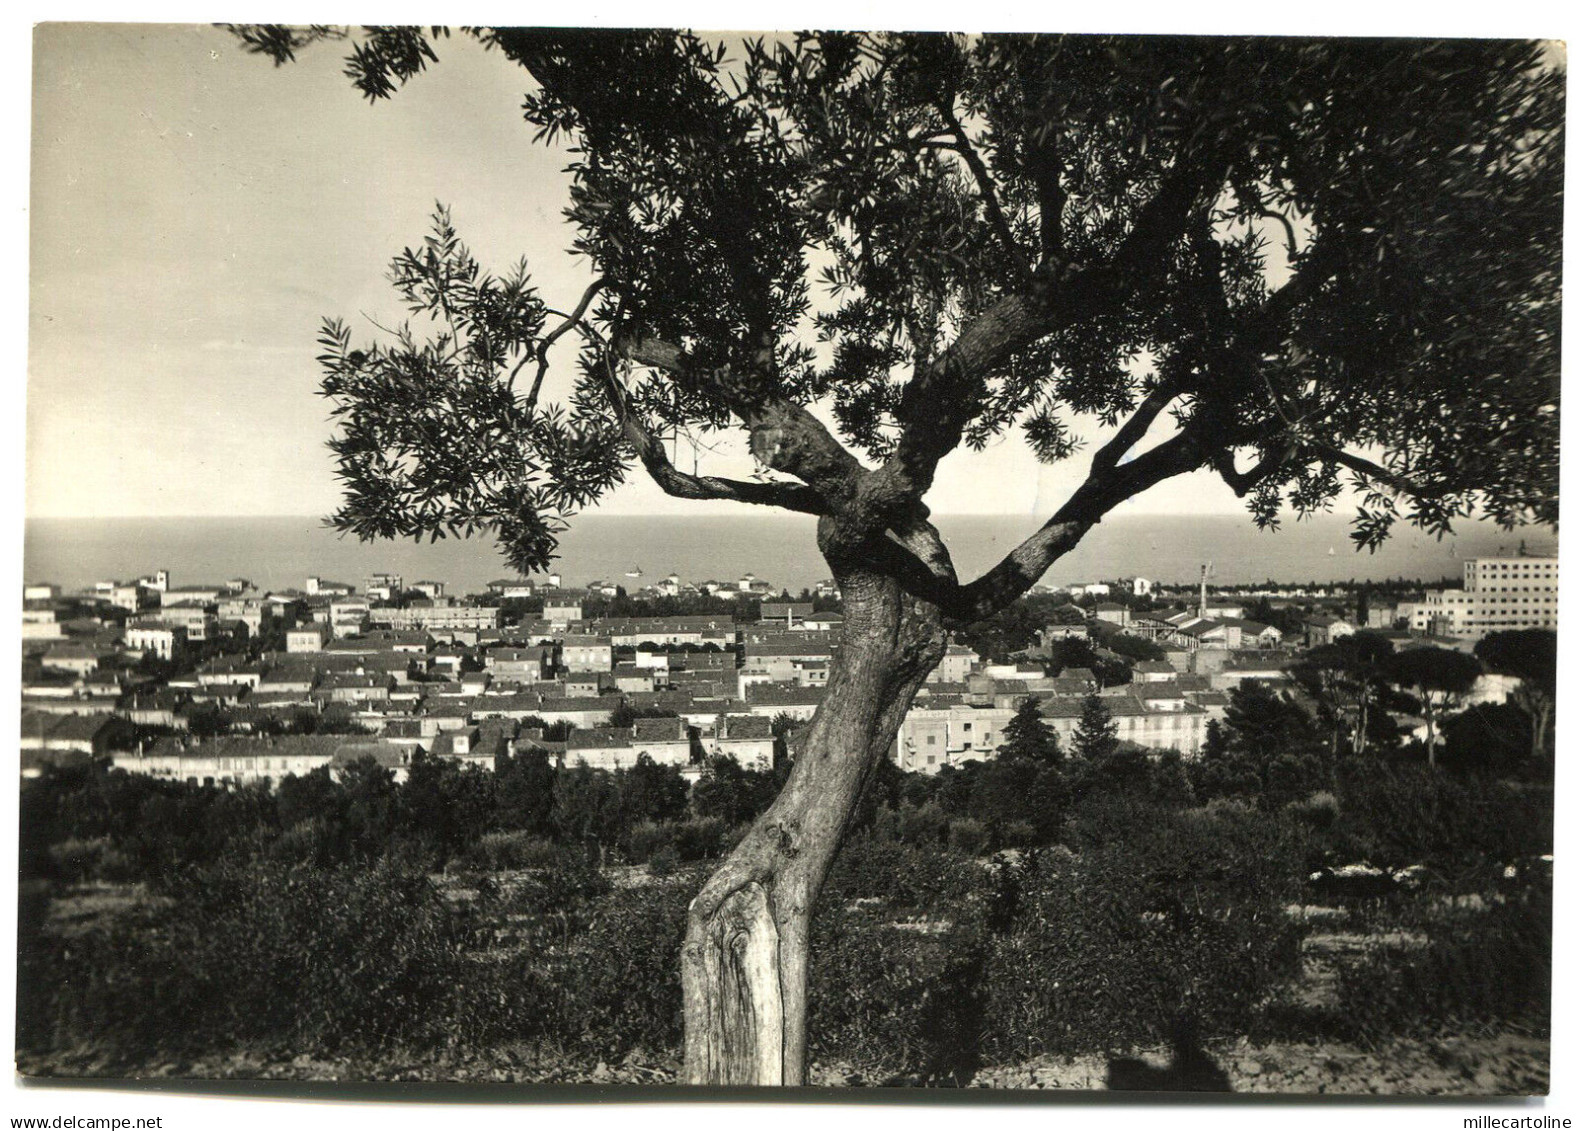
744	962
1364	697
1541	718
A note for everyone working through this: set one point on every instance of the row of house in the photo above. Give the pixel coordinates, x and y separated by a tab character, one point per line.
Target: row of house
245	760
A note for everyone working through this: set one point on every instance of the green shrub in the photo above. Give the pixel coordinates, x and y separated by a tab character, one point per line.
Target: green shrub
647	838
926	826
513	849
260	952
1020	834
904	877
311	841
76	860
1480	966
699	839
1182	915
1318	811
619	988
566	884
893	1001
40	967
664	862
1413	814
967	835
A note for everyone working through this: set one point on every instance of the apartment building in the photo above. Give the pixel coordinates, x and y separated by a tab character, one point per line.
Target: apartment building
1500	594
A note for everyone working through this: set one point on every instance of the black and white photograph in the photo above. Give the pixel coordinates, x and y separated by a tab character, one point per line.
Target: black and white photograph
628	562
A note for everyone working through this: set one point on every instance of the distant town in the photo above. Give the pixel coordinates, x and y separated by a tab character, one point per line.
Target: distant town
222	683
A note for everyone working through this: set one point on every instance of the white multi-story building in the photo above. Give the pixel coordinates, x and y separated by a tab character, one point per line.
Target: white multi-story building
306	638
323	587
134	597
562	610
956	664
40	624
1500	594
438	616
198	621
158	637
950	732
585	653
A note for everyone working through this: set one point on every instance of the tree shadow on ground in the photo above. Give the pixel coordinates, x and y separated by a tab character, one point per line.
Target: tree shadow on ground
1190	1068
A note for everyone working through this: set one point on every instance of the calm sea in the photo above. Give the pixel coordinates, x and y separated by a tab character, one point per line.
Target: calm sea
277	553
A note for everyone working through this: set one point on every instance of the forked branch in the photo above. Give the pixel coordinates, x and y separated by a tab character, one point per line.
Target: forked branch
985	188
673	481
1242	483
1104	489
944	396
1131	432
572	320
785	437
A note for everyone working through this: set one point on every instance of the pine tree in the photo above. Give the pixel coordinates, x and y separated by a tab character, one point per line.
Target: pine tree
1097	735
1027	736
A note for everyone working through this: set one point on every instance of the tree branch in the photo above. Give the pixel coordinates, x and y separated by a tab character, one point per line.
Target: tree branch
1252	198
944	396
1242	483
784	435
1403	484
572	319
1041	160
673	481
985	187
918	535
1133	429
1020	569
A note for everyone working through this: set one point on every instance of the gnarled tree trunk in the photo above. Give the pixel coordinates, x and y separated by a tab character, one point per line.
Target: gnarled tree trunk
744	963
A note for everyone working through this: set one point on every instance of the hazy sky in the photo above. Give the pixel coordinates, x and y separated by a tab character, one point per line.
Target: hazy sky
196	212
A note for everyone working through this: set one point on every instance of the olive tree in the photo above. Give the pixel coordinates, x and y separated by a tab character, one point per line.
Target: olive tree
1302	265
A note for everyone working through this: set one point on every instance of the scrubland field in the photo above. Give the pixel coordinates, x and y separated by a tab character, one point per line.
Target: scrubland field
1011	925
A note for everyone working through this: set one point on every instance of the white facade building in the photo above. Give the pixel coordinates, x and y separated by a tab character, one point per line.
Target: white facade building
1500	594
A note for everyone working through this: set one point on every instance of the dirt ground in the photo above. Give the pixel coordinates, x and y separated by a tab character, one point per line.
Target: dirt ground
1507	1064
1488	1066
1460	1066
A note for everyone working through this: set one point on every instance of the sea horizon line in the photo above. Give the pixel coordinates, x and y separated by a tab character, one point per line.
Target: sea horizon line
1290	519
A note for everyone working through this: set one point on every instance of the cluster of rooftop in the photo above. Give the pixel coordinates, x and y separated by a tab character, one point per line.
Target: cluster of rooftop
137	671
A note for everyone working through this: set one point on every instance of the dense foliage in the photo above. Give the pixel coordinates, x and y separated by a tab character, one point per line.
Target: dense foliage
90	823
1122	905
1300	249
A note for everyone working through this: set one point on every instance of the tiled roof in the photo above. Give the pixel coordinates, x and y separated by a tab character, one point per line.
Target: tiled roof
598	738
780	695
574	705
336	680
42	724
659	730
748	726
233	746
810	648
385	754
